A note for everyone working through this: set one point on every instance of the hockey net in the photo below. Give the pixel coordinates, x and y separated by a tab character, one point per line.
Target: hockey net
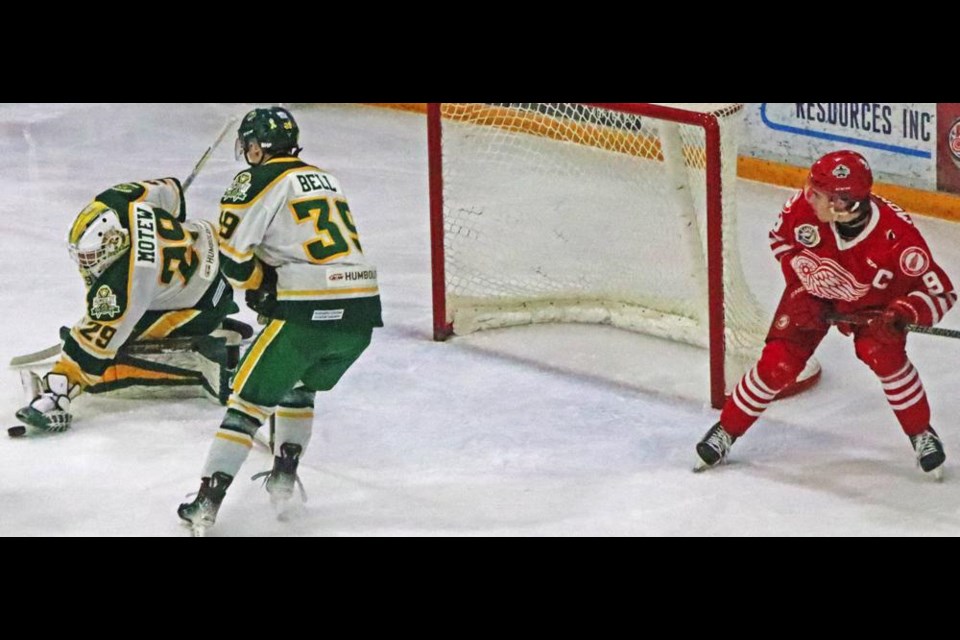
610	213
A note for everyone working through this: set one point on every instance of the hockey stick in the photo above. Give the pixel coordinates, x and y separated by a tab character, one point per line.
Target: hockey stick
53	350
35	357
273	431
206	154
850	318
266	442
232	324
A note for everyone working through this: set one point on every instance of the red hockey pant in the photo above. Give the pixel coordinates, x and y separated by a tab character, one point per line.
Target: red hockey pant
787	350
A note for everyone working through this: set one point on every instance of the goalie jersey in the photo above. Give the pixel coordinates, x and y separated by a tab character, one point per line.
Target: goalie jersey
294	217
158	288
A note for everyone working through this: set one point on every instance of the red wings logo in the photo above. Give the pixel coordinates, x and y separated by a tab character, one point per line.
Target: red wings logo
914	261
825	278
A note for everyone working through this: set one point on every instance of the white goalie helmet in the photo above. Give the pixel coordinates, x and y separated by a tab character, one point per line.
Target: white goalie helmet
97	239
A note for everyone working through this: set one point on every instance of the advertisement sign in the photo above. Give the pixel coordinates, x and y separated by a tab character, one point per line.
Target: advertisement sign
948	147
899	139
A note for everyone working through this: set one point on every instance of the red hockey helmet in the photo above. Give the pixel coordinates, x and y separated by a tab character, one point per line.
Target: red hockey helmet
843	173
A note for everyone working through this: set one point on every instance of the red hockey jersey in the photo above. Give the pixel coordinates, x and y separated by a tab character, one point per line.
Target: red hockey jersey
888	261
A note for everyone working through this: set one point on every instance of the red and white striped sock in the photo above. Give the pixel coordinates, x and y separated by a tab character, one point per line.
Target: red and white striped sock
907	398
750	398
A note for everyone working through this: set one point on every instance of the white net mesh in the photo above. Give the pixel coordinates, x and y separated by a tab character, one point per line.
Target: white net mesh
569	213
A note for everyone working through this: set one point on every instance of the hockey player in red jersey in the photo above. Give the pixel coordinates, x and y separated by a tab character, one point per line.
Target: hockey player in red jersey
844	250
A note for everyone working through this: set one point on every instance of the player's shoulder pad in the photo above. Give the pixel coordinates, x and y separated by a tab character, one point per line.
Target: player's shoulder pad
898	226
249	183
894	212
133	189
902	234
175	180
119	196
793	202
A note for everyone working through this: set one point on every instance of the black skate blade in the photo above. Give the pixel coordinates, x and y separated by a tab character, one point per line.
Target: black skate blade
700	466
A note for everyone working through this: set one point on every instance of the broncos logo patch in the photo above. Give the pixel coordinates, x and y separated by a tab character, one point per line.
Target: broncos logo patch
104	304
237	191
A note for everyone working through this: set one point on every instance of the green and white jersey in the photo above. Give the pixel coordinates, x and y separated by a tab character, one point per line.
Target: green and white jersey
170	266
295	217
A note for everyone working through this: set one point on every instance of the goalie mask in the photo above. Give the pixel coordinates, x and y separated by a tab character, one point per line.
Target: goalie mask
97	239
273	128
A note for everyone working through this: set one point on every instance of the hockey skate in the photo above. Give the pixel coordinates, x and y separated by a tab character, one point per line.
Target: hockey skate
930	455
280	481
201	514
713	448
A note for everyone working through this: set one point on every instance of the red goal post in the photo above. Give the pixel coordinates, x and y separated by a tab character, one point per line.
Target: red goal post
511	233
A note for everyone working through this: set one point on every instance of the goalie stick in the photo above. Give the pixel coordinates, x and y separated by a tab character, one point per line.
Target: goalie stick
852	318
36	356
53	350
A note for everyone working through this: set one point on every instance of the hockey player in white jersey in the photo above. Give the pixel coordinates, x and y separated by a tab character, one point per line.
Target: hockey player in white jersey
150	276
287	236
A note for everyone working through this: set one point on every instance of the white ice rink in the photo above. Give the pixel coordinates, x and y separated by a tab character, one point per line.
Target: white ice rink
535	431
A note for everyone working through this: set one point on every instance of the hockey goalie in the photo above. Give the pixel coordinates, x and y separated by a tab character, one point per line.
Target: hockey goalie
155	304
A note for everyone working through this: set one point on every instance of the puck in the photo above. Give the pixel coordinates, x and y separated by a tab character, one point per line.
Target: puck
17	431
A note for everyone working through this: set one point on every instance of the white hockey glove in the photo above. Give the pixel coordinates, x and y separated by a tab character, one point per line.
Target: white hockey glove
50	408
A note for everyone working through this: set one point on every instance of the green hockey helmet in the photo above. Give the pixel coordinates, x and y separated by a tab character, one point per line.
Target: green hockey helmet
273	128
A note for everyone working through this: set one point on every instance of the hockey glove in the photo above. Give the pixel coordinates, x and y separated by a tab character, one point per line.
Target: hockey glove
50	409
889	325
263	299
806	311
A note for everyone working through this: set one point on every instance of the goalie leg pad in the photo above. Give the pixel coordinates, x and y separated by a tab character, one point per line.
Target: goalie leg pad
175	370
32	386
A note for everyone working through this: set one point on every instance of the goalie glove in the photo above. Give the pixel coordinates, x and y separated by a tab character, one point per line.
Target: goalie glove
50	408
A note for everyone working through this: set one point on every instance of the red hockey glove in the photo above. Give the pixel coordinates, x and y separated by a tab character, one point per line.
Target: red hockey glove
807	312
889	326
